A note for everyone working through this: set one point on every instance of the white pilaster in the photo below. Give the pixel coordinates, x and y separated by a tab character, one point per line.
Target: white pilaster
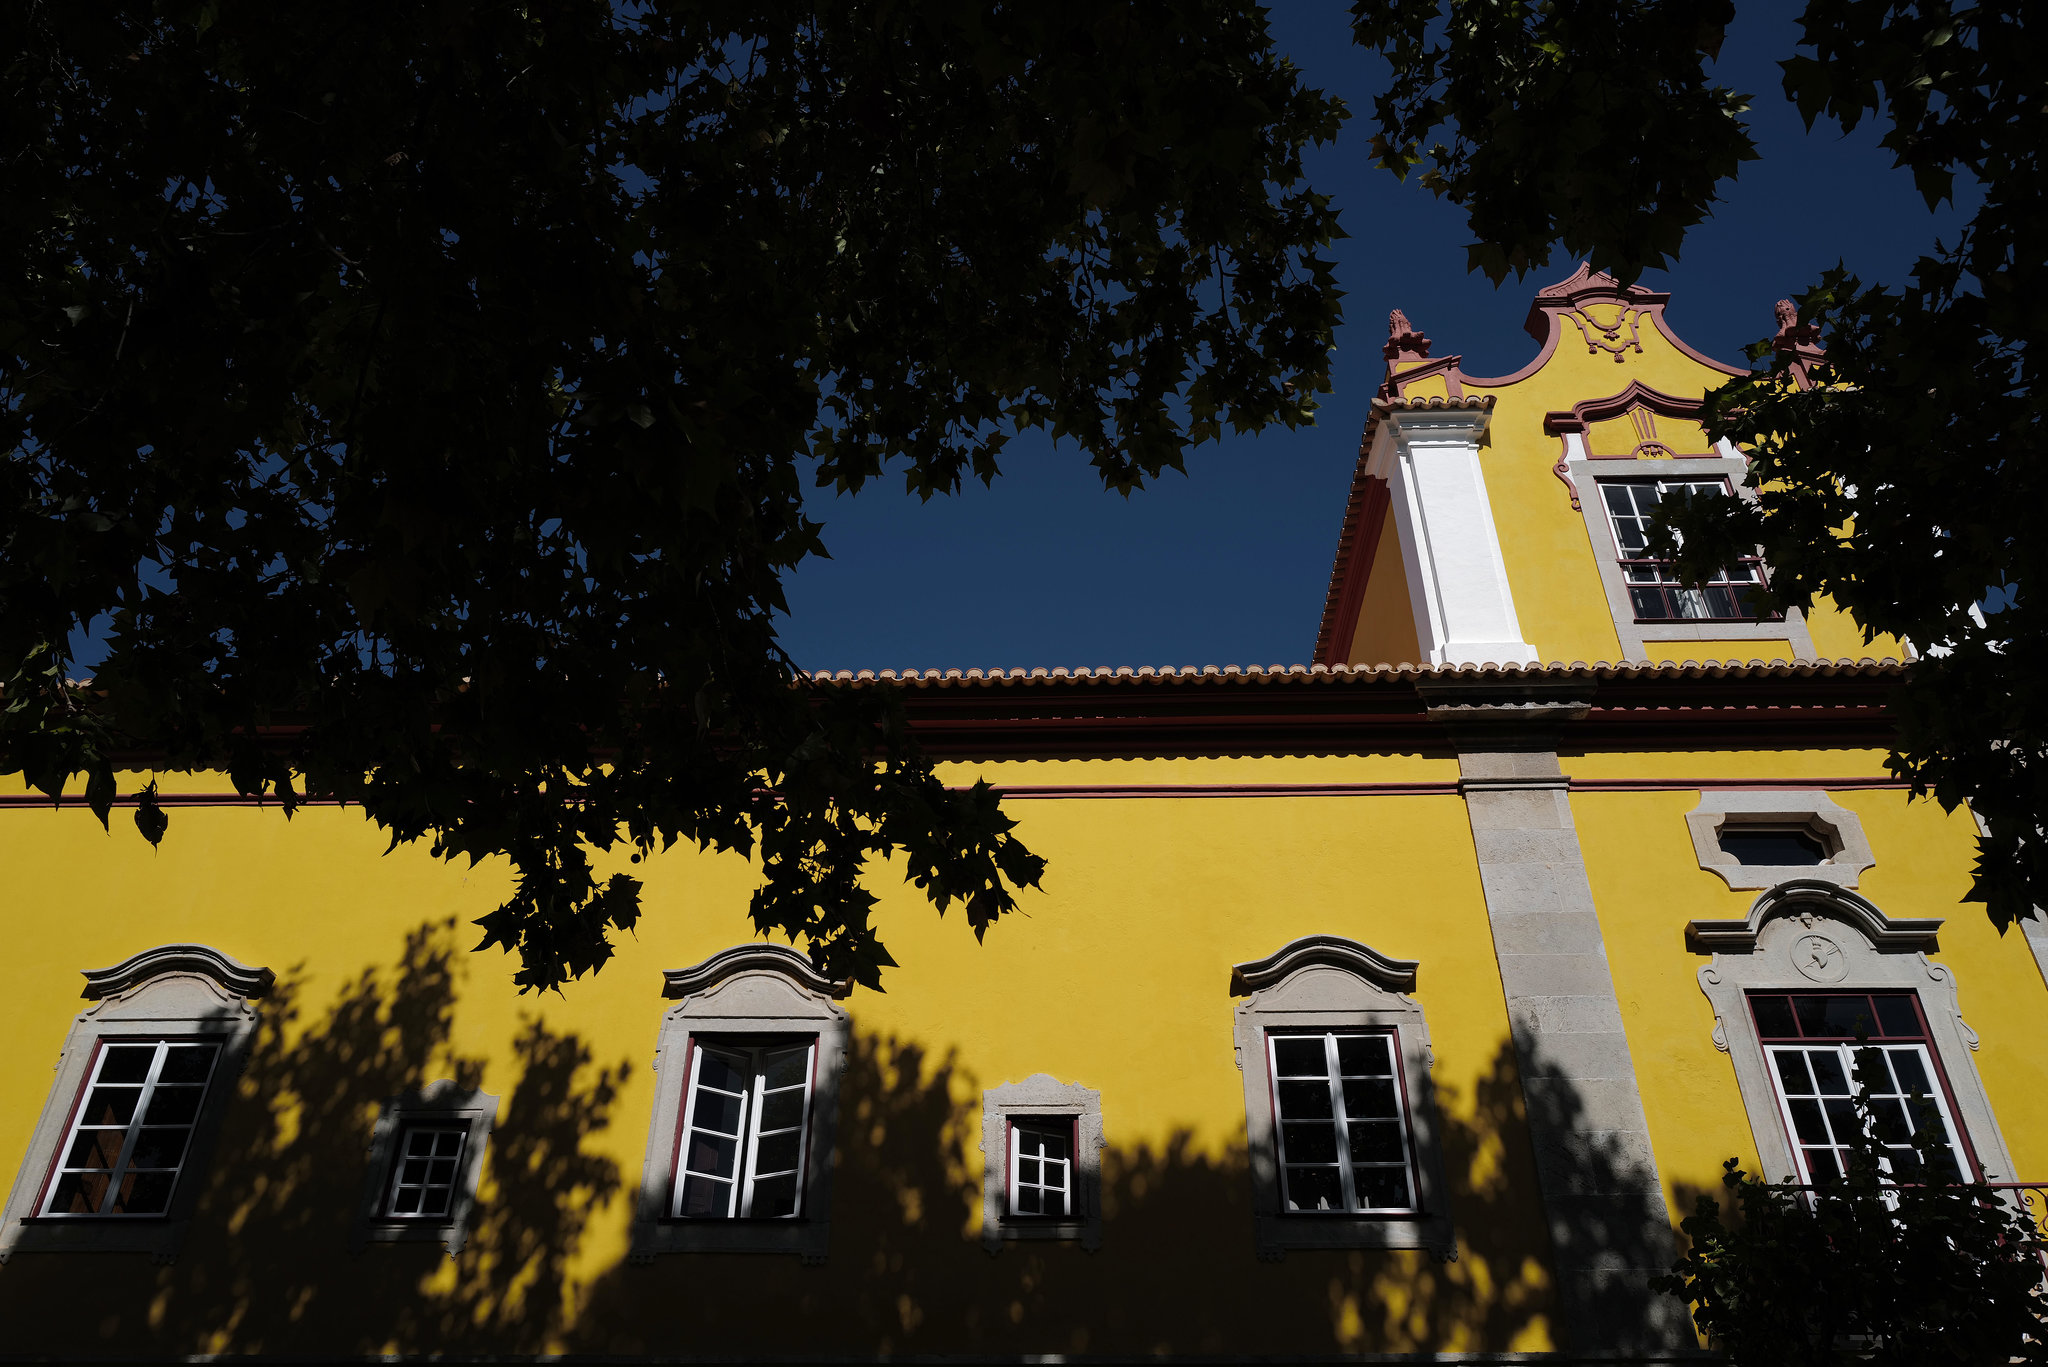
1457	580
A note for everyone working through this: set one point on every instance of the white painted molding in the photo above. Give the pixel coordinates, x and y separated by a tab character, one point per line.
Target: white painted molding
750	958
1457	580
1395	975
1833	825
230	973
1807	898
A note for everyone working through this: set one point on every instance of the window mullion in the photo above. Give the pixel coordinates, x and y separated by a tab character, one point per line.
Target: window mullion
750	1133
134	1131
1342	1122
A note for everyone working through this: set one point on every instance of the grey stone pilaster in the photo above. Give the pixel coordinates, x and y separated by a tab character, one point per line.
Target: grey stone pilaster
1598	1176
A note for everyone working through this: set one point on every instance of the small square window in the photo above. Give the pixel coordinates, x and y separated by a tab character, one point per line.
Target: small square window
1041	1184
425	1172
426	1156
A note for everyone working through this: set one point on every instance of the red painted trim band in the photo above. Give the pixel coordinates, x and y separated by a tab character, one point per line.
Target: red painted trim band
1030	791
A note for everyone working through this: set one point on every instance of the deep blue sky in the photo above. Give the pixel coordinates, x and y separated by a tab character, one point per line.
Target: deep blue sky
1229	565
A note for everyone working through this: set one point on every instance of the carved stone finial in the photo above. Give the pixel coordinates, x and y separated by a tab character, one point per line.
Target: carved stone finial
1798	343
1403	339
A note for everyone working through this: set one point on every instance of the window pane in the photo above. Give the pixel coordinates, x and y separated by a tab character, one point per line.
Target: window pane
1029	1202
1758	845
1300	1056
1053	1143
160	1148
1807	1123
703	1197
78	1193
717	1112
1384	1188
1305	1100
1828	1072
1055	1203
714	1070
1850	1016
174	1105
1310	1142
187	1063
1897	1016
712	1155
1376	1141
126	1062
788	1068
144	1193
1371	1099
782	1110
1363	1056
1792	1072
95	1149
777	1153
111	1106
1912	1073
1314	1189
774	1197
1774	1018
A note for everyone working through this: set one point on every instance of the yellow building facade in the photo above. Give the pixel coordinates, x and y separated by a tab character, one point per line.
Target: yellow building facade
1397	1003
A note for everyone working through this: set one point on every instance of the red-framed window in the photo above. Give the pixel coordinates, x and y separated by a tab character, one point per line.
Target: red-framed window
1824	1049
1654	591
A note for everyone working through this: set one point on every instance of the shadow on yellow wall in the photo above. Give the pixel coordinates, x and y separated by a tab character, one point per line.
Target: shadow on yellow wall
267	1266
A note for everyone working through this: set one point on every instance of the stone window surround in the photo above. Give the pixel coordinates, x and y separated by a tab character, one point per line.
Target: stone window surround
1586	473
445	1102
188	991
749	990
1041	1094
1329	982
1859	948
1812	810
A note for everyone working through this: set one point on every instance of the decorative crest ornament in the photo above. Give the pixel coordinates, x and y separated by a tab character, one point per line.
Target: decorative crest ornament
1403	339
1799	344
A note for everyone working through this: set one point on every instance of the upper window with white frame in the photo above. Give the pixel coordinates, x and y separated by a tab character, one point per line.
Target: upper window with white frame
743	1150
1344	1143
132	1130
1654	589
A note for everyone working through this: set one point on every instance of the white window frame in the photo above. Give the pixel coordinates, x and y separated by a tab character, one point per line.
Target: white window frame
1045	1099
1346	1163
176	993
1069	1128
1844	1053
1635	638
746	995
1811	936
442	1103
747	1141
131	1130
1327	983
